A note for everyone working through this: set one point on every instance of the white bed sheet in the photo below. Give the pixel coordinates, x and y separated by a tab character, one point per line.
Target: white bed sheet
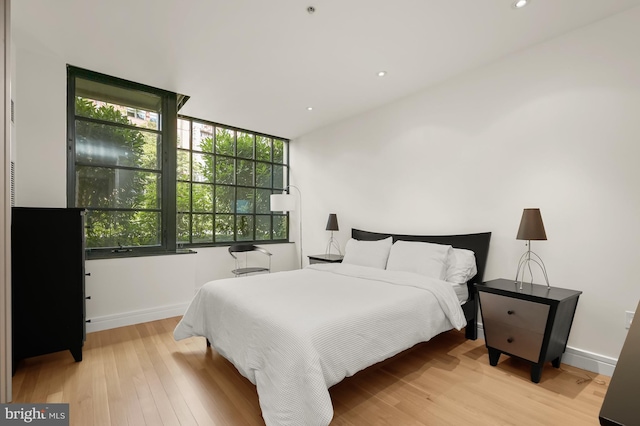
295	334
462	292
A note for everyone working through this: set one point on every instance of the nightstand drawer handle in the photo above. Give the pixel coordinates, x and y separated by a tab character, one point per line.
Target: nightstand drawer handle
510	340
510	312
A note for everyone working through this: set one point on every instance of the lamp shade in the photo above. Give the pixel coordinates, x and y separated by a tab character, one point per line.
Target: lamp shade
283	202
531	226
332	223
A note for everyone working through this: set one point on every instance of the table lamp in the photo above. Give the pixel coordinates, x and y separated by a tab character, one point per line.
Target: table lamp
531	228
332	225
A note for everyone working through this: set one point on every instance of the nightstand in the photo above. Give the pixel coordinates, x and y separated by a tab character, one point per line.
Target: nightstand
325	258
532	323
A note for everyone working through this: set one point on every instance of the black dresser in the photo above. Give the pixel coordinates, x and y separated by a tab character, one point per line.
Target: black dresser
48	293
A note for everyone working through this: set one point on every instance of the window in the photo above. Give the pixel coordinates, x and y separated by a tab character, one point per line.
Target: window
225	177
144	193
117	161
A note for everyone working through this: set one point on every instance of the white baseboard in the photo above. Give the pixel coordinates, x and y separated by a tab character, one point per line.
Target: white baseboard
589	361
135	317
579	358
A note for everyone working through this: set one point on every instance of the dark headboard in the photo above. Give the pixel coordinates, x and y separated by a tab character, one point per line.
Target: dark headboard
478	243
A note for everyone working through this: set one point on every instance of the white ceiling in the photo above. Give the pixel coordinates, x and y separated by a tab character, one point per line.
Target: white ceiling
258	64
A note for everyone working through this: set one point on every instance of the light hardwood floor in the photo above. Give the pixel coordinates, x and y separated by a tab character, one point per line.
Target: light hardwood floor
138	375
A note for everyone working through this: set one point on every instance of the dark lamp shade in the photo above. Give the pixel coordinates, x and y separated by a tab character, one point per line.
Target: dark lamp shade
531	226
332	223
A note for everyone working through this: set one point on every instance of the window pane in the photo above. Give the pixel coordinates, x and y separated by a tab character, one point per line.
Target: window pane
245	201
263	201
117	188
184	128
263	175
225	170
279	177
245	145
182	228
224	228
263	148
225	199
244	229
122	228
202	167
202	228
279	227
202	137
117	104
245	173
183	167
202	197
278	151
183	196
101	144
225	141
263	228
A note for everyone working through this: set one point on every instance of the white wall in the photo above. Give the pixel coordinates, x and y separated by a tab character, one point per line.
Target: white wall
140	289
555	126
123	291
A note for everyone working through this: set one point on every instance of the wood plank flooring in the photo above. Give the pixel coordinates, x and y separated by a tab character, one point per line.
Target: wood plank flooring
139	375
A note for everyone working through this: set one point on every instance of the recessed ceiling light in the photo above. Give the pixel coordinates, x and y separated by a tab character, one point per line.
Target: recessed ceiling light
309	108
382	73
520	4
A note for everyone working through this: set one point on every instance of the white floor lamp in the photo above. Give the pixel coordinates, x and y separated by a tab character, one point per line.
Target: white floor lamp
286	202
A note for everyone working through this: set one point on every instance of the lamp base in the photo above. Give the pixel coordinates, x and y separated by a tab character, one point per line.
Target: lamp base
525	262
332	243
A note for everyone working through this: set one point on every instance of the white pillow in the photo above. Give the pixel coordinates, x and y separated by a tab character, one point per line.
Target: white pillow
427	259
367	253
462	266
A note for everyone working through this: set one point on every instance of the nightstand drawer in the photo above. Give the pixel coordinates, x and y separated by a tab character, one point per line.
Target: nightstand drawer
516	341
518	313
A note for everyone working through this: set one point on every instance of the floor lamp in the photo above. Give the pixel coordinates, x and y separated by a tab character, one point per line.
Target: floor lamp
286	202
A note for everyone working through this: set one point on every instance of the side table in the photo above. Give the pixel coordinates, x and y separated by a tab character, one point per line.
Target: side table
532	323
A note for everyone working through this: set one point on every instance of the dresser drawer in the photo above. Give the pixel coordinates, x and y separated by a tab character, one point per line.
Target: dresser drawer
522	314
516	341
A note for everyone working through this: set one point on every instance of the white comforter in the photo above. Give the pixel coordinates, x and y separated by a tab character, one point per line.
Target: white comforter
294	334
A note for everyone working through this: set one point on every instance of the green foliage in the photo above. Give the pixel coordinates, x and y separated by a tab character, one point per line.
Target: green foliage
119	182
233	163
104	185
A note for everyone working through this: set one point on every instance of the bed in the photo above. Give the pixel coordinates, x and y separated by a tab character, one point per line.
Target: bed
295	334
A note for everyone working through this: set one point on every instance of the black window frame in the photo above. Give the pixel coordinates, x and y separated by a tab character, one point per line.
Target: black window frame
273	188
168	127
